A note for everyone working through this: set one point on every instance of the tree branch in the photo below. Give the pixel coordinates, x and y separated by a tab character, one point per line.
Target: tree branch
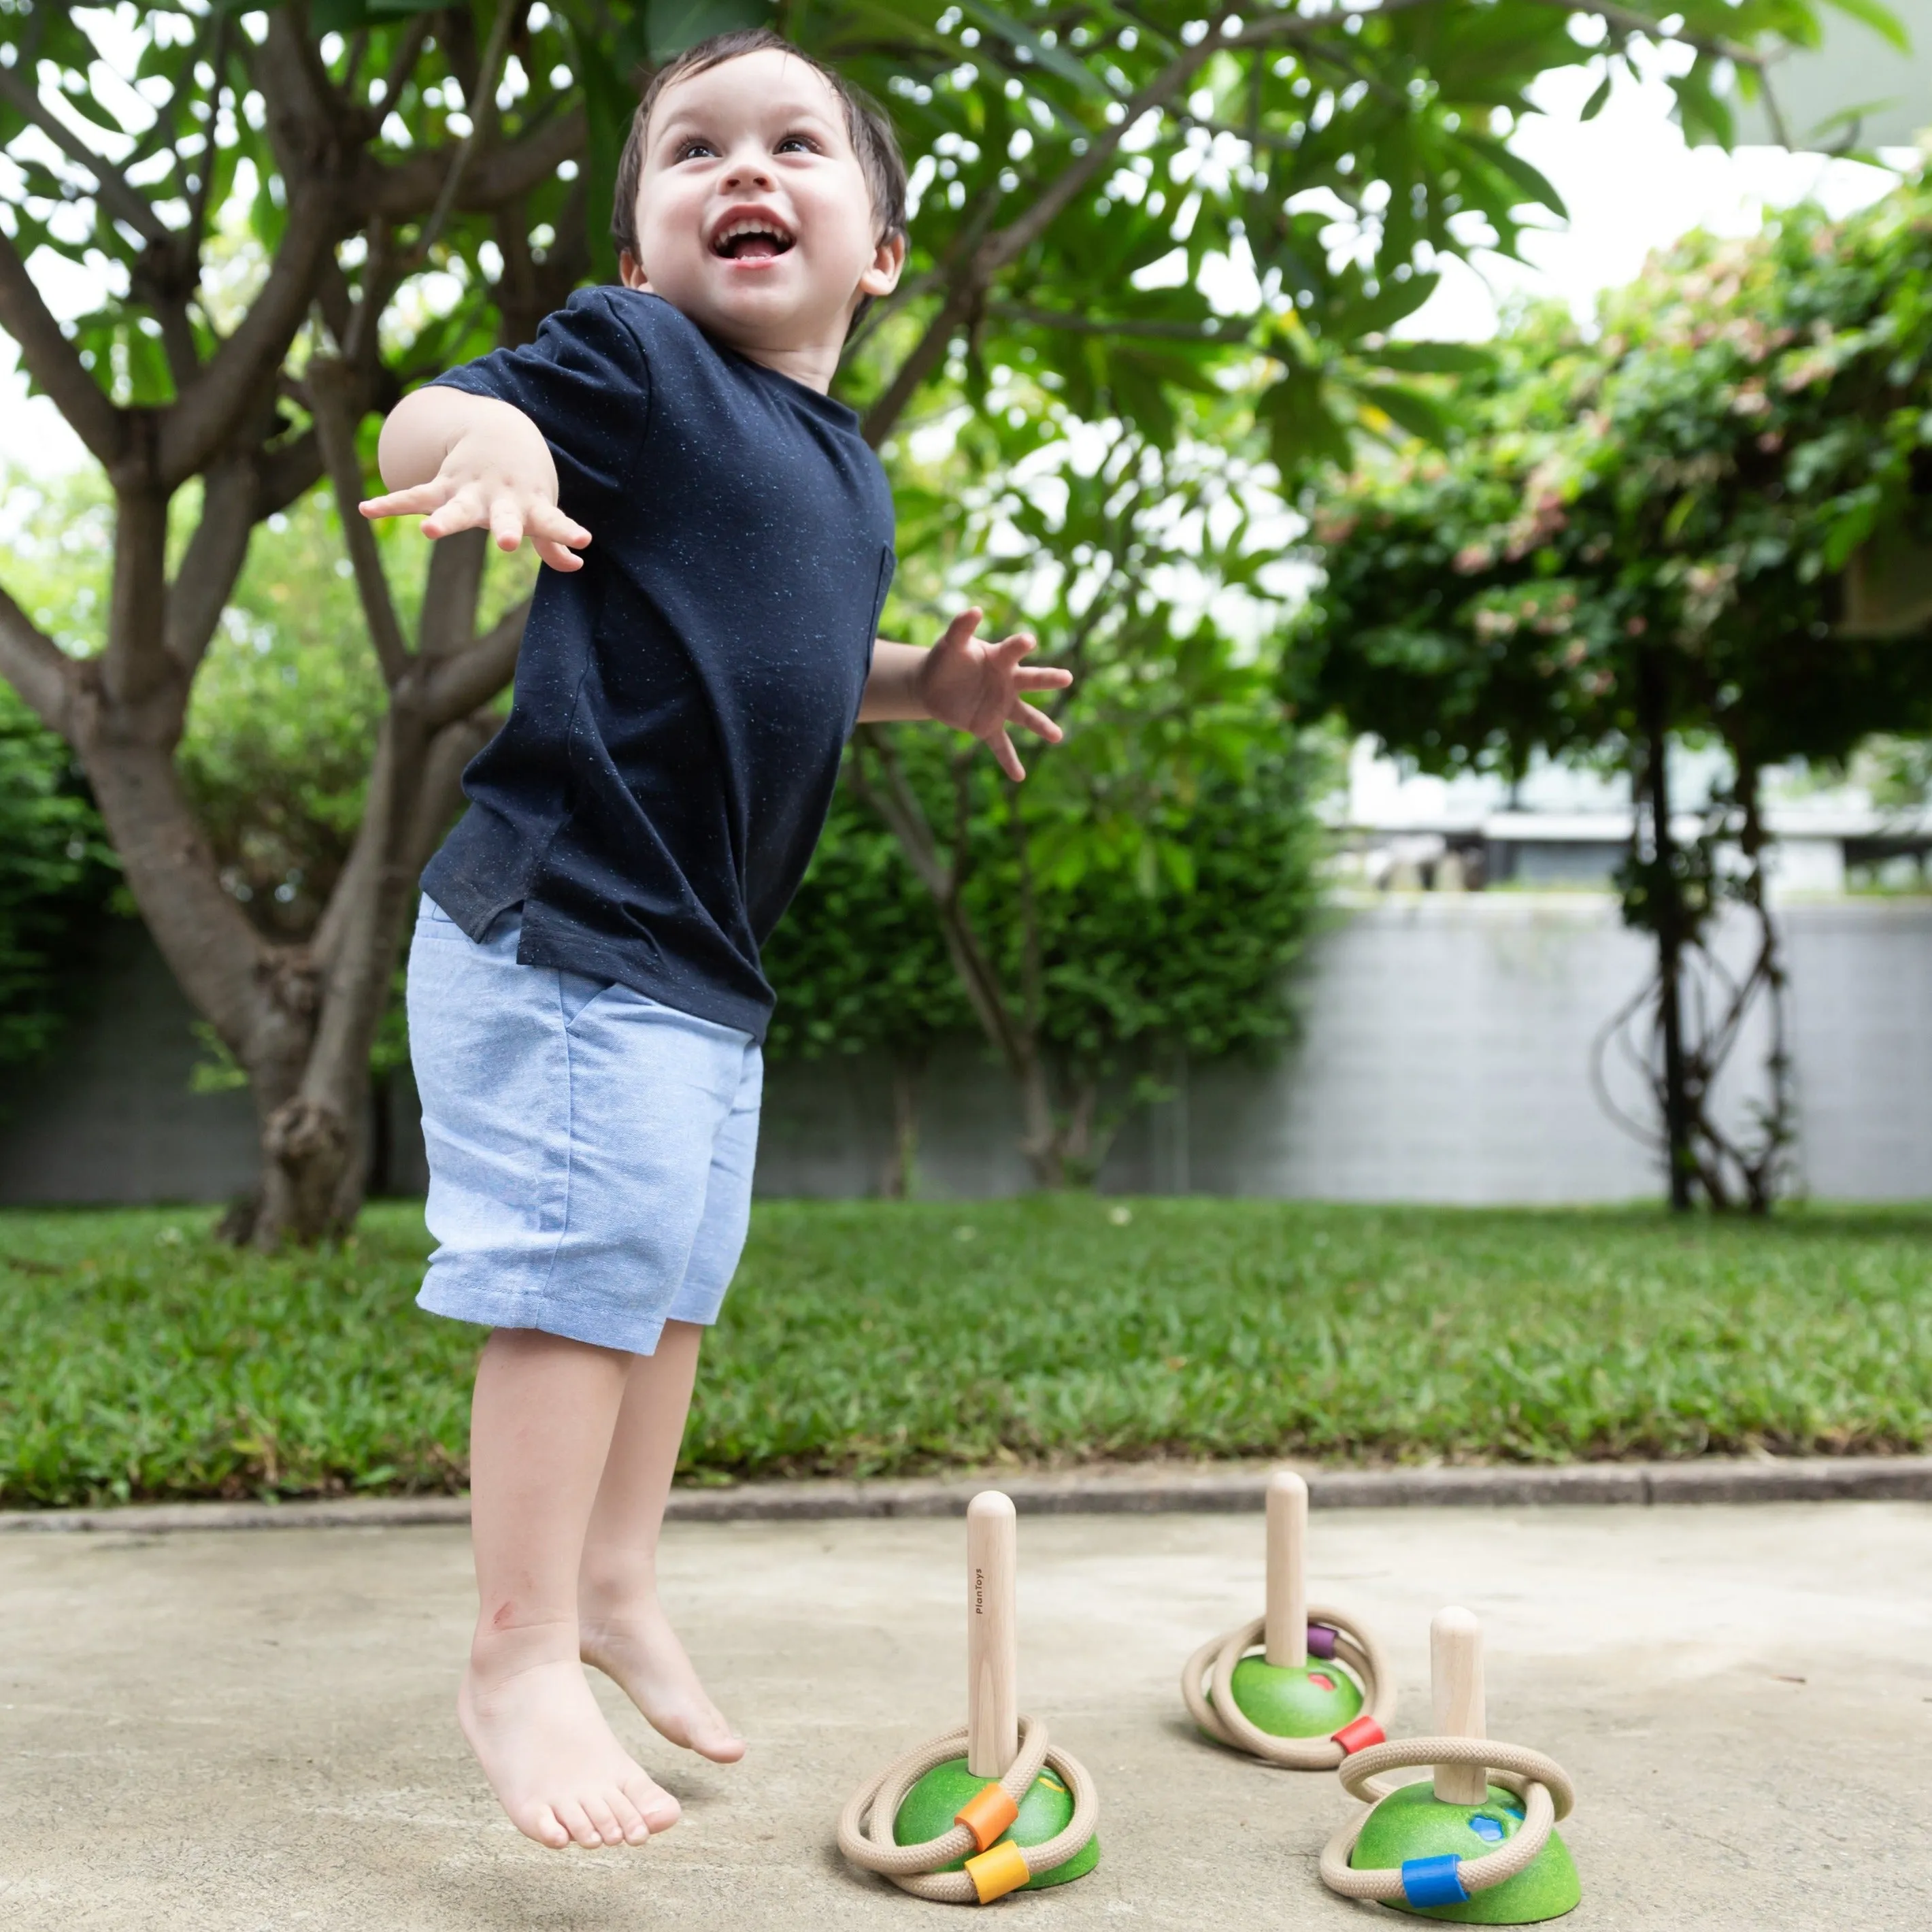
285	473
441	793
922	358
207	414
472	677
898	806
37	668
976	270
482	124
1080	174
402	64
1624	20
452	595
217	551
304	111
53	361
118	196
329	386
409	189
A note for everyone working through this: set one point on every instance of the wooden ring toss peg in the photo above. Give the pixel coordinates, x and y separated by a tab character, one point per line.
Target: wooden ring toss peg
1423	1847
1014	1812
1290	1705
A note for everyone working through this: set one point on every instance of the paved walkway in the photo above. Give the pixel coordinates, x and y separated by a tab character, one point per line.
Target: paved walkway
247	1733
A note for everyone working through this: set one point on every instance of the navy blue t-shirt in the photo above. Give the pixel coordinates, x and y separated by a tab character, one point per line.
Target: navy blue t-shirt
682	701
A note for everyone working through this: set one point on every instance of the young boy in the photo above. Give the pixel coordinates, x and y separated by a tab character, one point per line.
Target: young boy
585	998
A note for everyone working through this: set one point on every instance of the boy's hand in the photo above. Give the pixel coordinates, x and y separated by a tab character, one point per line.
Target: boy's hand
495	472
976	685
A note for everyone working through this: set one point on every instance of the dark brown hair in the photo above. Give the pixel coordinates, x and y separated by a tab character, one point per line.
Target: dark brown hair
873	140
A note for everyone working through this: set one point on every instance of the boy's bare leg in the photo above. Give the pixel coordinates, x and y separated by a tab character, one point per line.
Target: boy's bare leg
541	1426
624	1631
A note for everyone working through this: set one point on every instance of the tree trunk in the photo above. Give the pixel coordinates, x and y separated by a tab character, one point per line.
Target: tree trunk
896	1181
1666	895
1763	1172
1012	1032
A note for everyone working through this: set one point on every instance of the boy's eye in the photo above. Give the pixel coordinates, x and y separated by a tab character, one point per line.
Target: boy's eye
689	150
798	144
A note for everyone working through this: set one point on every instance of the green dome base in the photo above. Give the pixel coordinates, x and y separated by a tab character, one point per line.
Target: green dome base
1314	1701
1412	1824
926	1811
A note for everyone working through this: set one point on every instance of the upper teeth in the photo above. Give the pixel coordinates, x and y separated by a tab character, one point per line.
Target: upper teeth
734	229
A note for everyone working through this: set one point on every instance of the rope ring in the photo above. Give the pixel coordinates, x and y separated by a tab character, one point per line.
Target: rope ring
1541	1783
1225	1721
866	1825
1361	1776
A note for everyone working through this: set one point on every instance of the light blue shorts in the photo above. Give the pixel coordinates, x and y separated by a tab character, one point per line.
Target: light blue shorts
590	1151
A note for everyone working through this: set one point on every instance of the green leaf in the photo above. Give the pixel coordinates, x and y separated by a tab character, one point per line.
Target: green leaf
1362	314
1599	98
1055	60
1880	19
672	25
1422	416
1534	185
1302	429
1433	358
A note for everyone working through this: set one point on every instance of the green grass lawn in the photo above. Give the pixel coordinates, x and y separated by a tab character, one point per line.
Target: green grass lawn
142	1359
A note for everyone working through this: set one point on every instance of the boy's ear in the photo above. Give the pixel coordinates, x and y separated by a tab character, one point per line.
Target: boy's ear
630	272
883	276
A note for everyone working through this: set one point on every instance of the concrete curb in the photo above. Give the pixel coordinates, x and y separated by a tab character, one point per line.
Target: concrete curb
1132	1489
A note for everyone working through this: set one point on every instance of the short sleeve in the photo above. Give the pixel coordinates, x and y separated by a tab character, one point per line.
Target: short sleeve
585	383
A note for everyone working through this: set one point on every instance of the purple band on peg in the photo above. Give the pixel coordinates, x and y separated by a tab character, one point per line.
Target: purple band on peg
1321	1641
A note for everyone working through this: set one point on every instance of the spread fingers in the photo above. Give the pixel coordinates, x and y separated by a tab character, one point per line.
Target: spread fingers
506	524
556	537
419	501
462	510
1001	746
548	523
1037	722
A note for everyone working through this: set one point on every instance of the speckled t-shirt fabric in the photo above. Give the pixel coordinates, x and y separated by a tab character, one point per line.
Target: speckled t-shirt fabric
682	701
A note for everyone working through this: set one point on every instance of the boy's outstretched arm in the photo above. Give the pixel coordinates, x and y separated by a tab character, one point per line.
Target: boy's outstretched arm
971	682
466	463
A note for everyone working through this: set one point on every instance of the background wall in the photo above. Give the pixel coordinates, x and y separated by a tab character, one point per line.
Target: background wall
1445	1056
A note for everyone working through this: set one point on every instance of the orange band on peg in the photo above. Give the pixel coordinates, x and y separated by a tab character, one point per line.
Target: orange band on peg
1359	1736
987	1813
997	1872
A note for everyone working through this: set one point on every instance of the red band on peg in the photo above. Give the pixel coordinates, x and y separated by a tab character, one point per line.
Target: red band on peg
1360	1735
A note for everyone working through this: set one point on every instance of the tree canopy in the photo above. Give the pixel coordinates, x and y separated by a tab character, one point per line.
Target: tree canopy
1691	522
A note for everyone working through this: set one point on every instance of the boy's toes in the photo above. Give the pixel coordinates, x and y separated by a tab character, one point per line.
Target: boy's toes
603	1820
576	1821
657	1809
711	1736
544	1826
630	1819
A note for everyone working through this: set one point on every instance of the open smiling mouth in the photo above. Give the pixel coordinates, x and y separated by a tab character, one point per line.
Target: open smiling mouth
751	241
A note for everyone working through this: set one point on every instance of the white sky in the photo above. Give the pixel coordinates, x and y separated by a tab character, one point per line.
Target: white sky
1630	184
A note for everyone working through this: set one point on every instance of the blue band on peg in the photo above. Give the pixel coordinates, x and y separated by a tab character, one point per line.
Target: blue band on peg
1321	1641
1434	1881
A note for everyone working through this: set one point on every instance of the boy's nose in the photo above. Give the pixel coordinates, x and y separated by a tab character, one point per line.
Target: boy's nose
752	170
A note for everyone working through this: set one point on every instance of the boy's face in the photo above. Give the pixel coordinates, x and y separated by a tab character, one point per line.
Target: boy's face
753	215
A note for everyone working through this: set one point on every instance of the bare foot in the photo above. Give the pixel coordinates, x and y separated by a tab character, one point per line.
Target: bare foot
634	1645
543	1744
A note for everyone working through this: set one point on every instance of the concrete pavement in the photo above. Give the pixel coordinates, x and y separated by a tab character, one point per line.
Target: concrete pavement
244	1733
